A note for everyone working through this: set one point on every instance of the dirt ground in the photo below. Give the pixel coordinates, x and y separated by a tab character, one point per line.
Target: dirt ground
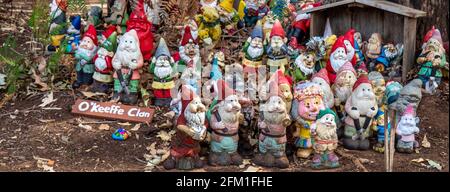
29	132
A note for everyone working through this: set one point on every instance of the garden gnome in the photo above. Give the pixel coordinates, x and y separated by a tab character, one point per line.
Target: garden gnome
254	11
303	66
272	123
119	16
358	45
95	16
277	51
189	51
379	87
126	62
342	88
321	78
375	54
163	69
406	129
138	21
253	50
349	42
85	58
191	129
209	30
392	92
411	93
73	34
57	28
300	26
361	70
231	14
338	57
317	45
432	60
281	83
103	61
152	11
224	122
325	140
294	49
305	108
361	108
329	42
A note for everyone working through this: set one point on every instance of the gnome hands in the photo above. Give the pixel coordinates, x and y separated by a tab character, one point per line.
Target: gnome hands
286	121
116	63
354	113
219	125
372	112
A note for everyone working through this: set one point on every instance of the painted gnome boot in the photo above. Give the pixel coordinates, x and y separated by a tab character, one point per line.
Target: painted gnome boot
163	70
224	122
126	75
57	29
103	62
189	51
85	58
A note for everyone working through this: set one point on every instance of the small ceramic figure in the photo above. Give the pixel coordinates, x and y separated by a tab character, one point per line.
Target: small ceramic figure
189	51
209	31
358	45
406	129
103	61
321	78
325	140
57	29
303	66
254	11
277	51
375	54
411	93
138	21
349	42
283	84
152	12
73	34
253	50
300	26
231	15
95	16
338	57
85	58
318	46
342	88
163	69
329	42
392	92
279	9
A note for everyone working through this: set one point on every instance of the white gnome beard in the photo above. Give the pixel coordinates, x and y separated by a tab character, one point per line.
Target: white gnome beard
163	71
407	127
337	61
255	52
85	52
299	62
195	121
343	93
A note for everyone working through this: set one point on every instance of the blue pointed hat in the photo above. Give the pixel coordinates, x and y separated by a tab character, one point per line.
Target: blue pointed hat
76	22
162	49
257	31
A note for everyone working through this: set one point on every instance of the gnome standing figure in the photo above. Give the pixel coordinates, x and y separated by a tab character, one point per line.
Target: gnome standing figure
253	50
321	78
358	45
254	11
191	130
57	28
406	129
231	15
432	60
303	66
300	27
103	61
342	88
325	140
224	122
138	21
338	57
189	51
277	51
411	93
305	108
126	62
361	108
162	68
73	34
85	58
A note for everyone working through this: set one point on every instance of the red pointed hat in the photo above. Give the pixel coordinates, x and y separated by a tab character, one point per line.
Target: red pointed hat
187	95
361	80
339	43
138	12
429	34
223	90
277	79
322	74
111	29
91	33
187	36
349	35
283	79
277	30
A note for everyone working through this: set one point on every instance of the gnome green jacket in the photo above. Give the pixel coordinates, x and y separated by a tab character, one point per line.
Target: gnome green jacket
427	67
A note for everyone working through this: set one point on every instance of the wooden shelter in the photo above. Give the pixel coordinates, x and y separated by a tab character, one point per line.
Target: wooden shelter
396	23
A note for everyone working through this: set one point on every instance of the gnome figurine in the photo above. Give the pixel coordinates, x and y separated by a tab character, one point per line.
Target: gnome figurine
163	69
191	130
361	108
338	57
118	15
305	108
321	78
325	140
57	28
277	51
254	11
189	51
303	67
138	21
349	42
85	58
342	88
73	34
253	50
281	83
224	122
103	61
126	62
411	93
406	129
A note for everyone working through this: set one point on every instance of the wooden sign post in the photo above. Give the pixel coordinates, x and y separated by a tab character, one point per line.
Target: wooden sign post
113	111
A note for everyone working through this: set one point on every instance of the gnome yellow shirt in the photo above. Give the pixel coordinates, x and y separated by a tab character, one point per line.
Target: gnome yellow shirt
227	5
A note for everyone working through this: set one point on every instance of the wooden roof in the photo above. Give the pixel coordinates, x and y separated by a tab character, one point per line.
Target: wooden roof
379	4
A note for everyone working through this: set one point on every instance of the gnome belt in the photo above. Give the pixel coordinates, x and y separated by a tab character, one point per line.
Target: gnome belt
366	123
272	135
251	63
433	70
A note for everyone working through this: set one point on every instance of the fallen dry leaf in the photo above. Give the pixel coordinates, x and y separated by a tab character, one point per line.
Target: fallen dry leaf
87	127
136	127
88	94
125	124
104	127
47	100
164	136
38	81
425	142
253	169
434	164
46	120
419	160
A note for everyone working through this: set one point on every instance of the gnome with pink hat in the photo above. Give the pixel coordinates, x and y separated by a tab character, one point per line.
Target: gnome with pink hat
321	78
85	58
432	60
277	50
342	88
338	57
361	108
406	129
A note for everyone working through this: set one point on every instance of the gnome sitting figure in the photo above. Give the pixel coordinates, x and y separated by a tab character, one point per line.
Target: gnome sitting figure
338	57
189	51
321	78
277	51
191	129
406	129
57	27
85	58
361	108
103	61
138	21
253	50
73	34
224	122
325	140
162	68
305	108
126	62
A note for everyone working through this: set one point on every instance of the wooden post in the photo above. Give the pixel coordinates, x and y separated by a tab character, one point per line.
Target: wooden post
409	41
386	140
392	141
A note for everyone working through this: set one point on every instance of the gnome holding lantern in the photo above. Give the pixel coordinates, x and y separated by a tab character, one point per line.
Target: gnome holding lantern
85	58
277	51
126	62
338	57
224	122
321	78
253	50
138	21
361	108
57	28
73	34
191	130
162	68
325	140
189	50
305	108
103	61
406	129
342	88
272	123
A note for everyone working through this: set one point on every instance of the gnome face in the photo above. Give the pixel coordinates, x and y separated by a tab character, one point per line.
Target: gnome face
390	50
338	58
345	79
195	113
363	93
350	49
190	49
230	105
309	107
328	122
306	62
162	66
285	91
274	110
87	47
434	46
276	42
374	45
128	44
408	124
256	48
379	87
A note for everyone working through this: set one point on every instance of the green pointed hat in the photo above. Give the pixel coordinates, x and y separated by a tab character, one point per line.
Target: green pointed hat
162	49
110	43
327	111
